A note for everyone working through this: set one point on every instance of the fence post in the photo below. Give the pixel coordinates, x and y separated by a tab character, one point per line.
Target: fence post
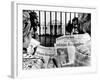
61	21
39	27
65	23
45	25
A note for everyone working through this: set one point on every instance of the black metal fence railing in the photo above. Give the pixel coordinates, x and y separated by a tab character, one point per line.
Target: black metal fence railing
48	25
52	27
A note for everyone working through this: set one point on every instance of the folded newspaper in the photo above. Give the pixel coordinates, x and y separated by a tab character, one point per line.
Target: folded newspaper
65	53
76	47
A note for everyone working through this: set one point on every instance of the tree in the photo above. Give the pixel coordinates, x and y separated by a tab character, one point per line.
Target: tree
85	23
30	23
34	21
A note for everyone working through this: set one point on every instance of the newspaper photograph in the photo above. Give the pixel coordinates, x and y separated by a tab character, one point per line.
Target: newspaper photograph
56	39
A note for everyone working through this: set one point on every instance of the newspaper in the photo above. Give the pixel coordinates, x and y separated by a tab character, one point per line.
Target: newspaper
45	53
80	48
65	52
40	59
68	51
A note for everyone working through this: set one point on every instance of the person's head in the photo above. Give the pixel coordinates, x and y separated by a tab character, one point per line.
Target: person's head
75	21
60	52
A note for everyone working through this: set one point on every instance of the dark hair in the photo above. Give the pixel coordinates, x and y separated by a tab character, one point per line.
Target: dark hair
75	19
